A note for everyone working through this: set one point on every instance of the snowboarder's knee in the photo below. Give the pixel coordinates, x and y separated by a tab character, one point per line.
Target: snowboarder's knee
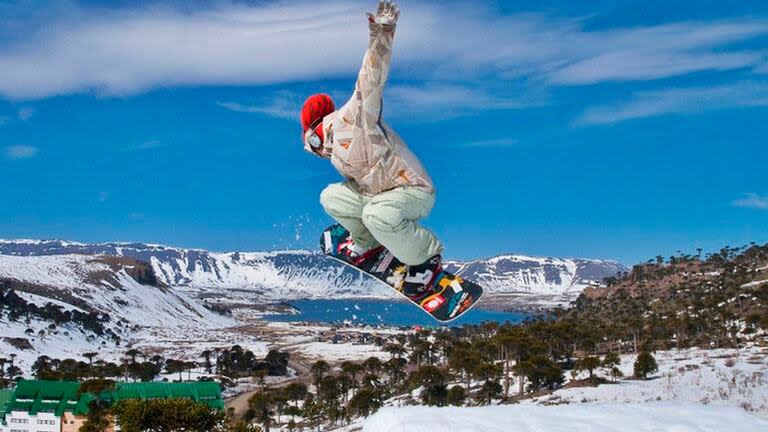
383	218
330	198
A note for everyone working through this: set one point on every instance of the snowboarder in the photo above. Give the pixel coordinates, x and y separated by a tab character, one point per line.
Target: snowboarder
387	190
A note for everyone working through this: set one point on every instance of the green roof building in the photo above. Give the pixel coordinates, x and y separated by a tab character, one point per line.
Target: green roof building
40	405
5	400
206	392
55	397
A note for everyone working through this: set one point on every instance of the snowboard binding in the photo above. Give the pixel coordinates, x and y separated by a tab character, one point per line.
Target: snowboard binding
442	295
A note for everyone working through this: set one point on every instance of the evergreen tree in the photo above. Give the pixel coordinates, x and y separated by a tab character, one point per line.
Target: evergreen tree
456	395
433	380
98	408
296	391
352	370
137	415
318	371
645	365
261	405
365	402
589	364
489	372
395	368
611	363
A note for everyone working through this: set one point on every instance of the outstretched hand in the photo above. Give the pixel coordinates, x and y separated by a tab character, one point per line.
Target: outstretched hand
387	14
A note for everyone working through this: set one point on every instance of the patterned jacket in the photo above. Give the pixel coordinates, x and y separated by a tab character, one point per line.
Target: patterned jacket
364	149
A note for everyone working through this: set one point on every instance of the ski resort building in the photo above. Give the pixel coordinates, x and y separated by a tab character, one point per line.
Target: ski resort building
5	399
39	406
207	392
55	406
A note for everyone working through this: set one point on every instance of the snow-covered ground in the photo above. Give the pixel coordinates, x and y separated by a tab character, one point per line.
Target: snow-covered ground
737	378
69	341
694	390
331	352
650	417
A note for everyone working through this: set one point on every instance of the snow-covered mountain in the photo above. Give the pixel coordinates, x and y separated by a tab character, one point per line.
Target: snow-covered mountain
532	282
145	289
122	287
283	275
65	305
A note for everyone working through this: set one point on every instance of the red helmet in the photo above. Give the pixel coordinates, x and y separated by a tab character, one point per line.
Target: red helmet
314	110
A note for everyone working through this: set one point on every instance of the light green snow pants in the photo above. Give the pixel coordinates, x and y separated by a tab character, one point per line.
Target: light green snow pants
389	218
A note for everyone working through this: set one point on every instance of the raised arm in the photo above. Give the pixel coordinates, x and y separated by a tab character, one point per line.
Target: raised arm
375	69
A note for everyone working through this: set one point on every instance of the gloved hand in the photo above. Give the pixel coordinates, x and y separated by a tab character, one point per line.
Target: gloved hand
387	14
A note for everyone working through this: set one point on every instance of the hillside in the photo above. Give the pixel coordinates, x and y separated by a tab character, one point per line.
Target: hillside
63	305
686	300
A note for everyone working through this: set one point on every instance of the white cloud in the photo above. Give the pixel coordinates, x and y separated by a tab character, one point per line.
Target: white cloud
20	152
493	143
103	196
654	52
752	200
283	105
131	50
3	120
678	101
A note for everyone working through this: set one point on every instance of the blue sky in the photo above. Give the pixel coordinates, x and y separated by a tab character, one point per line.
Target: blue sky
606	129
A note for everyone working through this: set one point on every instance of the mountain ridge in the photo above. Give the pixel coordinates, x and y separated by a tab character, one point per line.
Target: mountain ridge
524	281
28	241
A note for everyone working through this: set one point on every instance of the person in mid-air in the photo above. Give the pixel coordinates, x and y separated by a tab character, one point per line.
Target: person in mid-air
387	190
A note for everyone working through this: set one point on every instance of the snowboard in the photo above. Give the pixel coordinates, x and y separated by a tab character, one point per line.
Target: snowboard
447	298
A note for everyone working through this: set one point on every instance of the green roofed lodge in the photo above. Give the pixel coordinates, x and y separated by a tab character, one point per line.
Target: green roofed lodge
55	406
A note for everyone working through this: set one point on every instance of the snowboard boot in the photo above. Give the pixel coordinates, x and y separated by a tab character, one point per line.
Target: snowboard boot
419	278
355	255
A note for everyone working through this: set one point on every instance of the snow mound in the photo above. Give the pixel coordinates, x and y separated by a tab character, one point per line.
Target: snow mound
652	417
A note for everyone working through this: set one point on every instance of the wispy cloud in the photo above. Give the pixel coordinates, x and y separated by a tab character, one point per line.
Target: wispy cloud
103	196
3	120
752	200
20	152
132	50
494	143
447	100
678	101
25	113
654	52
433	100
146	145
283	105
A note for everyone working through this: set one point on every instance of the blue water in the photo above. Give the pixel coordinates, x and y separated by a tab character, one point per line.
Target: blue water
374	312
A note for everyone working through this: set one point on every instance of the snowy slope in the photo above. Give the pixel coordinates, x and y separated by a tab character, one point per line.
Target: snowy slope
99	285
651	417
551	280
301	274
122	288
733	377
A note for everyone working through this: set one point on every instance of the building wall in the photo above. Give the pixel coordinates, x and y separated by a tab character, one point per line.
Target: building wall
23	421
72	423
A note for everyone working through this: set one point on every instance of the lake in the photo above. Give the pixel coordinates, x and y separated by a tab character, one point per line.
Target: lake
374	312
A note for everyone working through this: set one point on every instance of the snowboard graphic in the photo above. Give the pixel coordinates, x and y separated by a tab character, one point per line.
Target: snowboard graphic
446	299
